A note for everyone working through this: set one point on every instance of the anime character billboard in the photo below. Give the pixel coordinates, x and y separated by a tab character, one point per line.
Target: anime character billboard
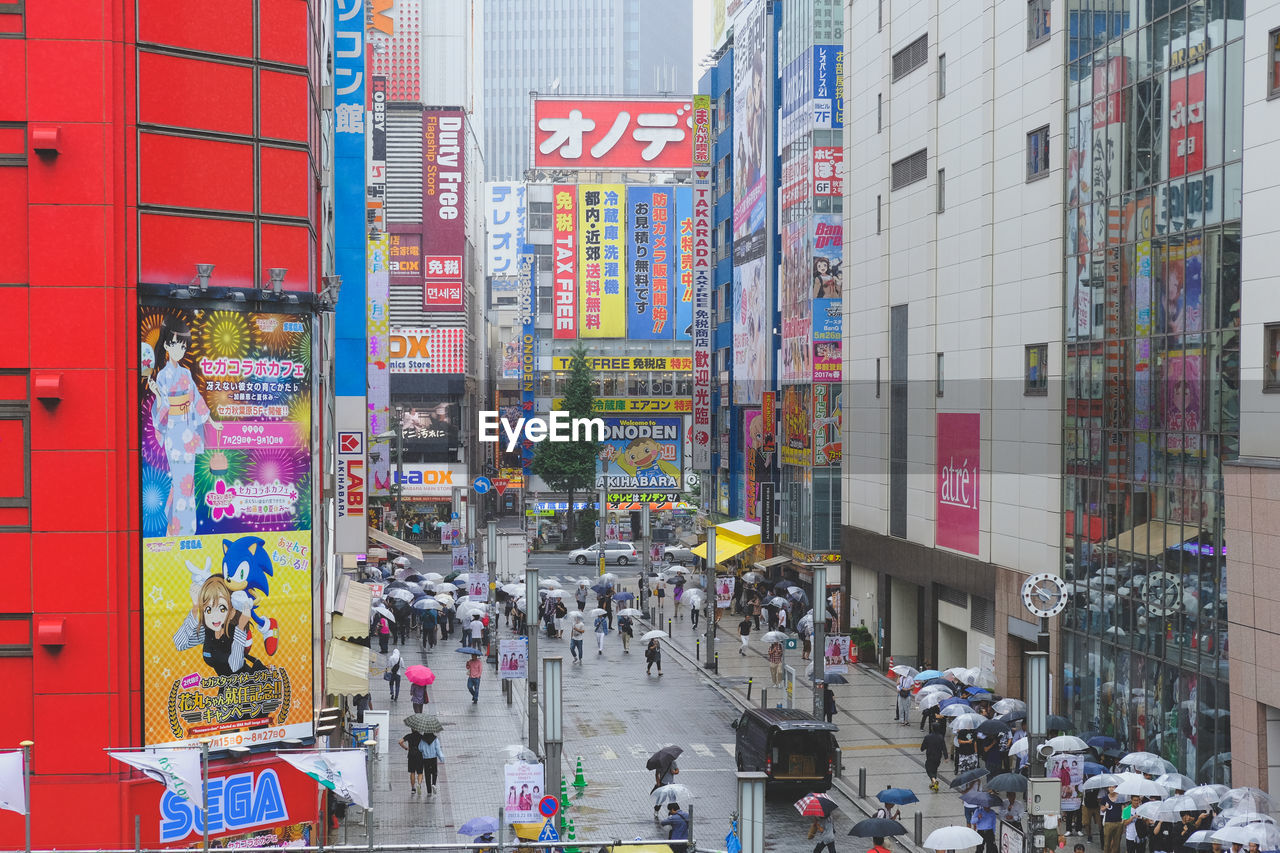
642	454
225	455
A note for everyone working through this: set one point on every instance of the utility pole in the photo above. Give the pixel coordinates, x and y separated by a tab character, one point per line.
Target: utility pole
819	636
553	736
399	469
601	527
491	555
711	597
531	629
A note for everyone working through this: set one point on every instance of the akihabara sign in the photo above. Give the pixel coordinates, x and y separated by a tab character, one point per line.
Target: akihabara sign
580	133
443	208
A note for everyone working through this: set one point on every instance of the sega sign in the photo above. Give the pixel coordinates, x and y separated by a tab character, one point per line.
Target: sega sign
236	803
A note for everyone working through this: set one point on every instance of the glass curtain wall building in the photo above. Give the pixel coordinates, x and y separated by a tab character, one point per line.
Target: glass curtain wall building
1154	129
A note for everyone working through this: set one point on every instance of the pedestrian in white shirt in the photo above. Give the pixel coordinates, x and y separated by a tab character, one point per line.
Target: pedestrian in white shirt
903	713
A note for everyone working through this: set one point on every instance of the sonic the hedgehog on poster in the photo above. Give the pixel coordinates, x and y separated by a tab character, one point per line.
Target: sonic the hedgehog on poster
246	565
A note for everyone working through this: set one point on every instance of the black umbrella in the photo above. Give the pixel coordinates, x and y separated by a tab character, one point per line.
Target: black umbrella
663	758
1007	782
968	777
1058	723
980	798
836	678
993	728
1012	716
877	827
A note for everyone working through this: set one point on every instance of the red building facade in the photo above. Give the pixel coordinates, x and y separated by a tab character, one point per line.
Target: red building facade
137	139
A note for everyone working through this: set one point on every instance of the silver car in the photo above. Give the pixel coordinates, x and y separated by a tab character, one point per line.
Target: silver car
614	552
678	554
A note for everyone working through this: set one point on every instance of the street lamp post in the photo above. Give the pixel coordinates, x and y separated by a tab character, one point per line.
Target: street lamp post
819	636
491	555
553	735
531	629
711	597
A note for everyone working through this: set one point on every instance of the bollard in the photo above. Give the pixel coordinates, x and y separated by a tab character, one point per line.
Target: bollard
919	821
862	782
668	627
764	697
698	647
715	667
749	682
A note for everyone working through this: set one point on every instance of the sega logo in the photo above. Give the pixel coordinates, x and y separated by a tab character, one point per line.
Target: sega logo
235	803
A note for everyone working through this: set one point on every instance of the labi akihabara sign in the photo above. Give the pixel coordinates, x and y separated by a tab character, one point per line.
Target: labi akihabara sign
224	422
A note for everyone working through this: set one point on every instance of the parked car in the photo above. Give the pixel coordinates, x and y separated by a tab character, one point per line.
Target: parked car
614	552
678	554
788	745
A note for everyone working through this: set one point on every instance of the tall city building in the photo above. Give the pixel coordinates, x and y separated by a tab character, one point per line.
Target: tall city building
952	326
575	47
1155	131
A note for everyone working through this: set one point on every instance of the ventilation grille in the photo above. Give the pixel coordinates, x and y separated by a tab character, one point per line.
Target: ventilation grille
982	616
404	167
910	57
953	596
909	169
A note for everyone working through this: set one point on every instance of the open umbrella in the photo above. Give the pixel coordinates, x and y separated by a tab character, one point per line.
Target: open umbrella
1206	795
419	674
1008	706
1012	717
1181	803
1251	799
815	805
1175	781
774	637
1233	835
1199	840
925	701
926	674
671	794
557	593
520	752
877	827
1140	788
777	602
966	721
425	602
1157	812
1145	762
836	678
1058	723
980	798
1008	782
424	723
903	669
897	796
378	608
596	611
952	838
631	611
479	826
1101	742
1102	780
663	758
575	615
431	577
623	596
653	635
752	577
404	594
954	701
993	728
968	777
467	650
1067	743
1092	768
1019	747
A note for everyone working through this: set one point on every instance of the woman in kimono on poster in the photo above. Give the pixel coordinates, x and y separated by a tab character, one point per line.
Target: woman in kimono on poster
179	415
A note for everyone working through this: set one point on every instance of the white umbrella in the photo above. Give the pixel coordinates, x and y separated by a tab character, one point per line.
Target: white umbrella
608	577
1067	743
595	611
925	701
903	669
1094	783
1181	802
401	594
521	604
1019	746
461	578
442	587
378	608
1156	812
752	577
677	570
445	598
401	561
1007	706
1233	835
654	635
969	721
959	709
695	597
673	793
1206	795
573	614
557	593
1176	782
631	612
432	577
774	637
952	838
548	583
1140	788
1146	762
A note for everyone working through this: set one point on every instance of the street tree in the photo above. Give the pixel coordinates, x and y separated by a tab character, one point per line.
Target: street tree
570	467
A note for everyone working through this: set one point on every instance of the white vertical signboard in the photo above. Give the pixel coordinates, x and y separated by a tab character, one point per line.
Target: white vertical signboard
351	475
702	224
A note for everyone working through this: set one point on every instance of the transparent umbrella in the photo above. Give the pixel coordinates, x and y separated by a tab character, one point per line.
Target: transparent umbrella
952	838
671	794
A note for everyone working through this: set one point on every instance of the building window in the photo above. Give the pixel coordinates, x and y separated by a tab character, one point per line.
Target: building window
1036	381
15	451
879	113
15	635
1271	358
540	216
1273	66
11	17
879	15
1037	22
1038	153
942	190
911	57
939	374
942	75
877	379
908	170
879	219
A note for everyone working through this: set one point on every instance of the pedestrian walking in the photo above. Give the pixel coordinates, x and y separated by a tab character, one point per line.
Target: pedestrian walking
558	616
888	811
476	629
1112	806
744	634
428	629
663	775
392	674
581	597
653	657
1136	830
626	631
363	702
432	755
474	668
806	644
966	755
934	747
694	613
576	634
782	619
412	743
877	846
775	663
384	634
823	833
756	608
828	702
418	696
678	821
602	630
902	712
1090	813
677	598
984	822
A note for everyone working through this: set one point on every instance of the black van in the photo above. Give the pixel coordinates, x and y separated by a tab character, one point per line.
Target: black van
787	744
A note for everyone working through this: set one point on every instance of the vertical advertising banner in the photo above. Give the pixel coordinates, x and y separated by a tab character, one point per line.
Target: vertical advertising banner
828	86
349	183
378	399
701	267
959	472
752	442
795	302
603	312
513	658
528	352
649	263
828	247
225	442
682	283
505	213
749	122
796	445
564	235
827	421
524	788
443	209
750	331
828	170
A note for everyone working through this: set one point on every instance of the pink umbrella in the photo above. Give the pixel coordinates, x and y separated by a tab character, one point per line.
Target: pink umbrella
419	674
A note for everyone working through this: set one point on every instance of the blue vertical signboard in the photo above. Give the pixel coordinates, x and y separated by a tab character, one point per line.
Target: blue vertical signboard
350	321
528	349
828	86
649	236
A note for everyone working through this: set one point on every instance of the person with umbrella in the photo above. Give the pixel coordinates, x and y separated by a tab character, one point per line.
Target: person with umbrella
384	633
602	631
775	662
934	747
1013	809
474	669
393	673
557	616
823	833
429	627
412	742
576	633
663	765
653	656
984	821
744	634
432	755
902	711
626	630
828	702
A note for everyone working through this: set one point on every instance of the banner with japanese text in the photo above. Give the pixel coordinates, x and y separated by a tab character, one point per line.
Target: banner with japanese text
505	213
603	311
682	284
828	288
564	248
650	262
224	419
443	208
701	266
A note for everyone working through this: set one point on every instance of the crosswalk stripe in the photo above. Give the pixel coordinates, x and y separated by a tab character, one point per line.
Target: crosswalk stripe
609	755
637	751
730	748
701	749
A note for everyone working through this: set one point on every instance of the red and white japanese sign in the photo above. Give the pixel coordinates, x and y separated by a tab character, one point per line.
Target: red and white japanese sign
702	224
828	170
1186	124
564	237
443	210
701	130
579	133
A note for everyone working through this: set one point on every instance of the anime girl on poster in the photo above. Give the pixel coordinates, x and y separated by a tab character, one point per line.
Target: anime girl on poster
179	415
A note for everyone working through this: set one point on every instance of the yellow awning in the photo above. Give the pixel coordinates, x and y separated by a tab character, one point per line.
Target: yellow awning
352	606
1151	539
400	545
346	669
732	538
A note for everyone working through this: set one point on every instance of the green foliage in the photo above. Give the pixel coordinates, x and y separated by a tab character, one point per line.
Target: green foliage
571	466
